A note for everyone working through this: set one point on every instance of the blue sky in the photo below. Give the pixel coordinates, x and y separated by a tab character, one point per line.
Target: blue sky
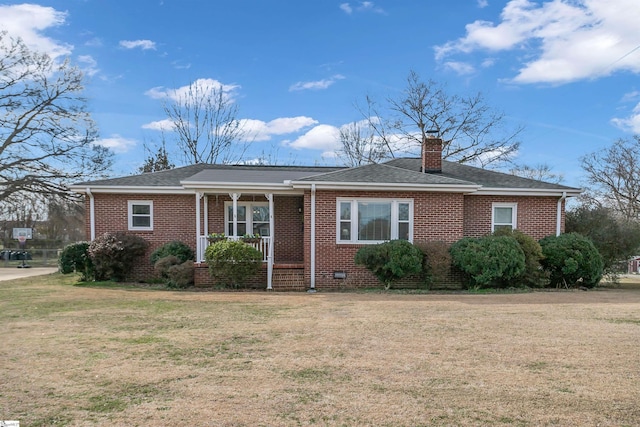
568	71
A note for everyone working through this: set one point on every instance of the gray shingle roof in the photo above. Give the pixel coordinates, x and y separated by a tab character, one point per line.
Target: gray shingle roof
395	172
256	174
211	173
385	173
484	177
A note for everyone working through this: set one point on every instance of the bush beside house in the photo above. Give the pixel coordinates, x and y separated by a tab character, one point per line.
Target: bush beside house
231	263
572	260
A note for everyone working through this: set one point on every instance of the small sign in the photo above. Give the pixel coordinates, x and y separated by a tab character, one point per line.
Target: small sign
26	233
9	423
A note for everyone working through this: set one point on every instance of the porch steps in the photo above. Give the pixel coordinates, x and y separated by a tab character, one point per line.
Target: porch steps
288	277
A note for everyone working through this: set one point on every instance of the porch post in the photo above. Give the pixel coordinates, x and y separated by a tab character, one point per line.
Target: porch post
235	197
313	237
271	243
198	248
206	215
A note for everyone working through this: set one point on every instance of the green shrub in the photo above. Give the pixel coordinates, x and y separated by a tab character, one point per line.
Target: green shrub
572	260
490	261
176	248
233	262
390	261
181	275
161	266
176	273
436	264
534	275
75	258
115	254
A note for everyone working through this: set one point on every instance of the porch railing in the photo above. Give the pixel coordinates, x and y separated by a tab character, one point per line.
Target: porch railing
262	245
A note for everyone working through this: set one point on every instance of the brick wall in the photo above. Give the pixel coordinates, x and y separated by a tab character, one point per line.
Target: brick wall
173	219
437	216
536	216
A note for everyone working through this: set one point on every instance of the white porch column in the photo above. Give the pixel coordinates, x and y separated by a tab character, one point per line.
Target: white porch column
92	215
235	197
271	243
206	215
313	237
199	253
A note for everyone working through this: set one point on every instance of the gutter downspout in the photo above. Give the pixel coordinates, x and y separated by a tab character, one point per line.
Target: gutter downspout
559	213
92	215
313	238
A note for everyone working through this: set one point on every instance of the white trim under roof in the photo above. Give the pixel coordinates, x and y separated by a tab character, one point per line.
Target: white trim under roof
542	192
381	186
128	189
261	187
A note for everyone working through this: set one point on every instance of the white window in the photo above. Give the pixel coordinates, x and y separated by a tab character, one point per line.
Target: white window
504	215
374	220
140	215
253	218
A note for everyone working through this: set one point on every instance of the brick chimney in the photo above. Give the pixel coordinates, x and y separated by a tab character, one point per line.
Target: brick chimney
431	155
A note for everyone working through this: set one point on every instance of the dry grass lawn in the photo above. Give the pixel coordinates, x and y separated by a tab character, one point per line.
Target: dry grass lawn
81	356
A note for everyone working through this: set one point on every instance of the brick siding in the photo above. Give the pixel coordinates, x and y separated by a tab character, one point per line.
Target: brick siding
437	216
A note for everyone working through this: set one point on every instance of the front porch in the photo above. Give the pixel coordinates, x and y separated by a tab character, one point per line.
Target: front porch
278	219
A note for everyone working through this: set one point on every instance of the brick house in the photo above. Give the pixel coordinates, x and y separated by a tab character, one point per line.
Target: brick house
313	219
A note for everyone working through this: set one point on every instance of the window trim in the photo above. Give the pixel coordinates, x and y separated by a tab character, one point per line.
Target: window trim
514	215
249	221
355	219
130	214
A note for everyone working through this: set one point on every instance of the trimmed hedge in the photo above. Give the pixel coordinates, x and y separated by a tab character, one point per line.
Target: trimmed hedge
490	261
175	248
233	262
534	275
390	261
572	260
115	254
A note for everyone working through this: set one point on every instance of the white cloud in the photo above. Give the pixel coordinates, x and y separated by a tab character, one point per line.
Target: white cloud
316	85
630	123
461	68
363	6
161	125
346	8
27	21
142	44
117	143
483	3
258	130
567	41
321	137
204	86
88	65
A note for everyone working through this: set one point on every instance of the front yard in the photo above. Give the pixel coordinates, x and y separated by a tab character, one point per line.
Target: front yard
96	356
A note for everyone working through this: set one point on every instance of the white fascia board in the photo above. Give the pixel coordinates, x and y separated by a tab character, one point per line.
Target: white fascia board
129	189
374	186
262	187
541	192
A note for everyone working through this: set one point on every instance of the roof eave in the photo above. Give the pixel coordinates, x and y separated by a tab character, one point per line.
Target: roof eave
542	192
122	189
444	188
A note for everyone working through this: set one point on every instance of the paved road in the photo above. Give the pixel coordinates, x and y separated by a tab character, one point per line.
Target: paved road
10	273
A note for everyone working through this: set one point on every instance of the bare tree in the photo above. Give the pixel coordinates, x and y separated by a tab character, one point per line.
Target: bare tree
207	125
472	132
158	161
540	172
47	137
359	145
615	177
